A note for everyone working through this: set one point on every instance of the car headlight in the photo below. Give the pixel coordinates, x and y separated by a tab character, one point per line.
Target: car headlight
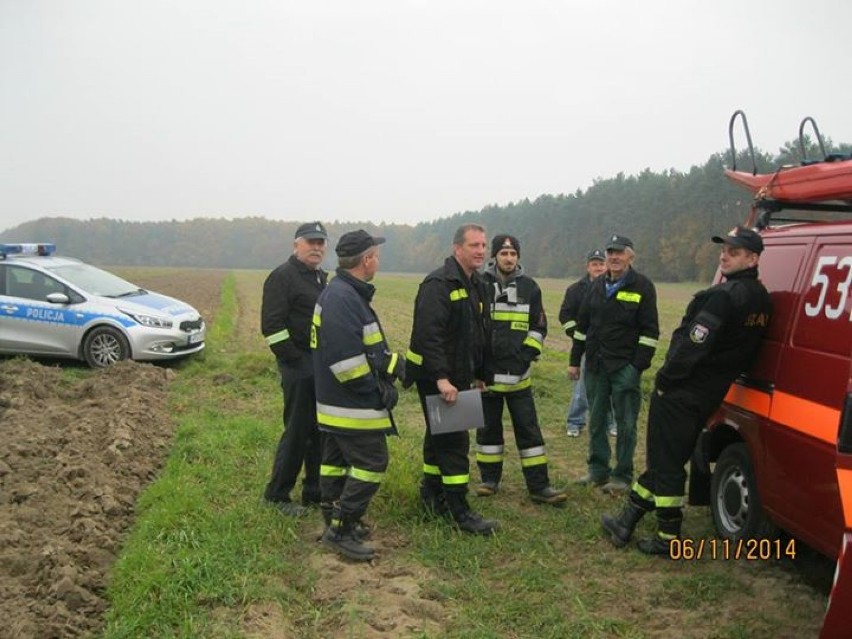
151	321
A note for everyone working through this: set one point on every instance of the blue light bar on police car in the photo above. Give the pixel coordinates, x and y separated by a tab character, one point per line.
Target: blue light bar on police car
43	248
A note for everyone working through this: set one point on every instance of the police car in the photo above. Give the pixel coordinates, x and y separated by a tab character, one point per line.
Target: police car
61	307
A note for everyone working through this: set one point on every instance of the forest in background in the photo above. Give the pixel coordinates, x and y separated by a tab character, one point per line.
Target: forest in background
670	217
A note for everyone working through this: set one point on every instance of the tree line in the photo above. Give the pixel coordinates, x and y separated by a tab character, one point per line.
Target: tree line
670	217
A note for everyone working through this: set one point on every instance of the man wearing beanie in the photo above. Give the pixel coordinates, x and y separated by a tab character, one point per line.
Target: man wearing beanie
518	328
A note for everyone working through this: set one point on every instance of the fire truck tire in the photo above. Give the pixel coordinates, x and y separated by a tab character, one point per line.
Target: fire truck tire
105	346
734	499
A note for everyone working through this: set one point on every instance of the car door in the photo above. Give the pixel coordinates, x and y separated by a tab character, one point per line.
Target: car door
30	324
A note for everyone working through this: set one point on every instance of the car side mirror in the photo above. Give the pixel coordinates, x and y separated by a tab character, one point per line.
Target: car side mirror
57	298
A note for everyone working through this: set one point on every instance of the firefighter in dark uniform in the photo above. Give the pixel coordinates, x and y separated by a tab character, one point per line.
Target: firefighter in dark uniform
717	339
518	329
617	331
449	353
354	371
289	295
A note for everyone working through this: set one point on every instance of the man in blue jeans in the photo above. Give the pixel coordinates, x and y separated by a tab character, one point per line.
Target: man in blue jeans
576	418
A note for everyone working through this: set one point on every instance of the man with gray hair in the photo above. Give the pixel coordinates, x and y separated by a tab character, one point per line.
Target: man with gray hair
617	330
354	371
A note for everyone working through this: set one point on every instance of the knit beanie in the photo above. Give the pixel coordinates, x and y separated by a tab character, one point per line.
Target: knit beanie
505	241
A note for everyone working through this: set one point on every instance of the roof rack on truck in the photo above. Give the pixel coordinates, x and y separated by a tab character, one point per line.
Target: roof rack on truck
823	185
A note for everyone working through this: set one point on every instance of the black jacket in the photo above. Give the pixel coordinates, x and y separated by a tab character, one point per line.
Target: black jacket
289	295
518	327
351	358
570	308
449	336
719	334
620	329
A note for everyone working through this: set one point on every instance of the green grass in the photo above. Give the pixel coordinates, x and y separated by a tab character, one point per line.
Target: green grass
205	555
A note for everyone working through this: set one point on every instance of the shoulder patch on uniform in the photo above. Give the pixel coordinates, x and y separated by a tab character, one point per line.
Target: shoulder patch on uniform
698	333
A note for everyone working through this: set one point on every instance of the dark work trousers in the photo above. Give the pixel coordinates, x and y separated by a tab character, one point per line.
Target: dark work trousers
675	420
301	441
354	465
620	392
445	457
491	446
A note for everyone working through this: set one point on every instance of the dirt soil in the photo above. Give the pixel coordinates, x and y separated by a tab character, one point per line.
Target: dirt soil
74	456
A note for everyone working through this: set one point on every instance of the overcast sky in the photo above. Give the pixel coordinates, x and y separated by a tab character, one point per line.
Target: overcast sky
390	110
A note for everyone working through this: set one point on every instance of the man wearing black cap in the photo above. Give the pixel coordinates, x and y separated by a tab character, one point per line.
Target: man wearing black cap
289	294
617	331
574	294
449	352
518	329
717	339
355	371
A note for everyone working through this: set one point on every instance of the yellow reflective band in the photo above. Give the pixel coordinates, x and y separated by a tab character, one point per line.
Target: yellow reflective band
353	423
366	475
314	340
569	324
579	337
411	356
519	326
275	338
351	368
643	492
648	341
627	296
392	364
489	459
372	334
668	502
458	294
533	342
455	480
429	469
332	471
665	536
509	388
316	320
526	462
506	316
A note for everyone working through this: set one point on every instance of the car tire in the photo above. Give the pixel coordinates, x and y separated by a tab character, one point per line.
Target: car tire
104	346
734	500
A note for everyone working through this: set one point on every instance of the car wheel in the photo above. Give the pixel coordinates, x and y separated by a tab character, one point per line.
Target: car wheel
734	500
105	346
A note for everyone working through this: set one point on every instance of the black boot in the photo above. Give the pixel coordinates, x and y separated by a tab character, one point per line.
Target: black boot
620	527
340	538
360	529
466	519
669	521
655	545
432	499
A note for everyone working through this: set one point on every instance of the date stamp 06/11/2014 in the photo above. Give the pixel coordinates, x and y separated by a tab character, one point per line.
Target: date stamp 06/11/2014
726	549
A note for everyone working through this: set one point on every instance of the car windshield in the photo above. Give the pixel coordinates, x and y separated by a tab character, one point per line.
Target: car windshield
96	282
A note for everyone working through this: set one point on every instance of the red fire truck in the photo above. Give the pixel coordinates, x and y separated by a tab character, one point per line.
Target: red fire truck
778	452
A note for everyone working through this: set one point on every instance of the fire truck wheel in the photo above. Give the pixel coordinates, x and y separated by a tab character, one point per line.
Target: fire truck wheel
734	500
105	346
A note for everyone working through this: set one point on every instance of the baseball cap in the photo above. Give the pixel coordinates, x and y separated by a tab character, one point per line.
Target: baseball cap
597	254
356	242
742	237
311	231
619	243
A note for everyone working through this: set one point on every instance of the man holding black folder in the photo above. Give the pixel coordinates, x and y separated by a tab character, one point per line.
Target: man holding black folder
448	354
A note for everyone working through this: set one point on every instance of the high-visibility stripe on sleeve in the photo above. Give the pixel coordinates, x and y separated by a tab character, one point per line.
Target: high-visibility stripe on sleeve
579	337
351	368
535	340
317	316
392	363
372	334
277	338
413	357
567	326
647	341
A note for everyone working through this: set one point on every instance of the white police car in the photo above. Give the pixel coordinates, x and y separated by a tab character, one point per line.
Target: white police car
61	307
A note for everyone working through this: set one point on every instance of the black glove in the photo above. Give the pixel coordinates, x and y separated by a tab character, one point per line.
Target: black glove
390	396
